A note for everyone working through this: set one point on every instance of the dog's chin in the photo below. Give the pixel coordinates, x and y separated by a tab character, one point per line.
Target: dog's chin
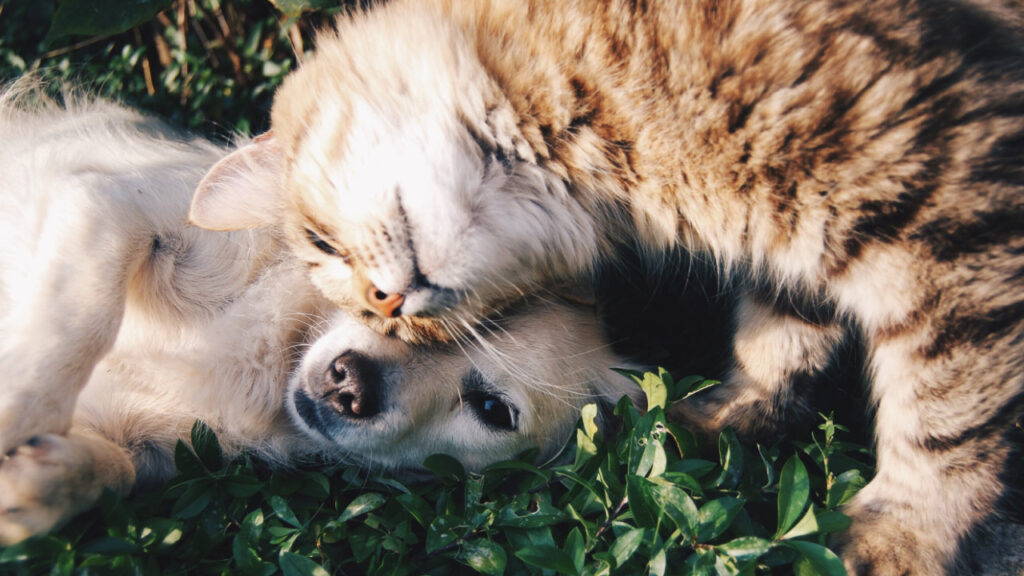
306	413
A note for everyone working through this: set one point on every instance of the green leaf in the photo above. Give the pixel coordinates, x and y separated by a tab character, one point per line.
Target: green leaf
715	516
297	565
844	487
519	466
693	384
576	549
44	547
767	460
315	484
245	557
818	522
440	533
815	560
746	548
284	512
679	507
297	7
626	544
417	507
794	494
543	514
658	563
186	461
549	557
362	504
484	556
109	547
206	446
730	456
654	388
646	449
444	466
193	501
588	416
101	17
242	486
252	526
641	502
684	440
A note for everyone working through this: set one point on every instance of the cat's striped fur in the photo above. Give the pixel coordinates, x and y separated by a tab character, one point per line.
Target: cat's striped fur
863	160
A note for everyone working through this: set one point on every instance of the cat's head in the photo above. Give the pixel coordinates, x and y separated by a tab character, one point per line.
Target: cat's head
396	170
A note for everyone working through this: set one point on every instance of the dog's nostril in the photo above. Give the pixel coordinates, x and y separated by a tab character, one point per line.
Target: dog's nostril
351	386
355	406
338	370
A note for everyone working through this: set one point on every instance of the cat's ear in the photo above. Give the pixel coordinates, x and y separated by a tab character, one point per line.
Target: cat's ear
243	190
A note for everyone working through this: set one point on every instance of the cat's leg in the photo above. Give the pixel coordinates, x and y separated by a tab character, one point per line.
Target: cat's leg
51	478
777	353
66	297
946	407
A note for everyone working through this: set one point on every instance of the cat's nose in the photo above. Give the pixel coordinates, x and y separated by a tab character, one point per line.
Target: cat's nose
387	305
351	385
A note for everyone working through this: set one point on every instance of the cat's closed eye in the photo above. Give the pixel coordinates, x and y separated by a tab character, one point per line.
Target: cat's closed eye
322	245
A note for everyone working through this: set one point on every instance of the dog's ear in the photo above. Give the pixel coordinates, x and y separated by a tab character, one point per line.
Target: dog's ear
243	190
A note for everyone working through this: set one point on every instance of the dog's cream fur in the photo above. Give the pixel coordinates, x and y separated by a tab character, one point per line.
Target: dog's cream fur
122	325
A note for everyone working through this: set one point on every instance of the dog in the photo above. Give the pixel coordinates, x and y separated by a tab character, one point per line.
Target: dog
122	325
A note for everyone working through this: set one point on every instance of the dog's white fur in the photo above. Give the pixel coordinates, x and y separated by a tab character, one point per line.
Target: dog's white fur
122	325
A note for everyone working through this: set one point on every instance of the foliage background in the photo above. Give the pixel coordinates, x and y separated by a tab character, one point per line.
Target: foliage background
646	502
209	65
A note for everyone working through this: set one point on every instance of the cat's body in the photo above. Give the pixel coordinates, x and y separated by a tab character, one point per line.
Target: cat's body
861	164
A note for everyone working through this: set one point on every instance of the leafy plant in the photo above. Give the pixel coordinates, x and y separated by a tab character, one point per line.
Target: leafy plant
210	65
642	502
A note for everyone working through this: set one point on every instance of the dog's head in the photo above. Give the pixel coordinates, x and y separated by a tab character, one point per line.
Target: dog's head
383	403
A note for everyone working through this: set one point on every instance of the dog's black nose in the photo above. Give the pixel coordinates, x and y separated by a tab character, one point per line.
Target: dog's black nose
351	384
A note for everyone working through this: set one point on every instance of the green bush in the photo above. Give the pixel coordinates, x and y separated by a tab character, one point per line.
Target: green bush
209	65
644	502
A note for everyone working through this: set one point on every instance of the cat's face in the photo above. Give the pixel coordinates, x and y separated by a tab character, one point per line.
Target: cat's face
407	190
411	223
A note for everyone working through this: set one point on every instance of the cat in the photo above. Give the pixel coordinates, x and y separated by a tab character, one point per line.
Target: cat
122	326
858	165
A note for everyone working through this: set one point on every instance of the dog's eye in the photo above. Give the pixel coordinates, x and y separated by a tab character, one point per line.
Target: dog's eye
493	410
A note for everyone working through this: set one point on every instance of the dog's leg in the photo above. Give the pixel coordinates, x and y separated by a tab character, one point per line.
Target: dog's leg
67	304
47	481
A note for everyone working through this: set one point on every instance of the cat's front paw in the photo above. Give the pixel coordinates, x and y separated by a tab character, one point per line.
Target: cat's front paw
42	484
879	545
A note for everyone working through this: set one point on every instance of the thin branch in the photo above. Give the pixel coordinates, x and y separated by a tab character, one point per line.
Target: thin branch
147	72
73	47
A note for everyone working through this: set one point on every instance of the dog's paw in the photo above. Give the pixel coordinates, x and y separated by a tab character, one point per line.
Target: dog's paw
43	483
879	545
28	413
